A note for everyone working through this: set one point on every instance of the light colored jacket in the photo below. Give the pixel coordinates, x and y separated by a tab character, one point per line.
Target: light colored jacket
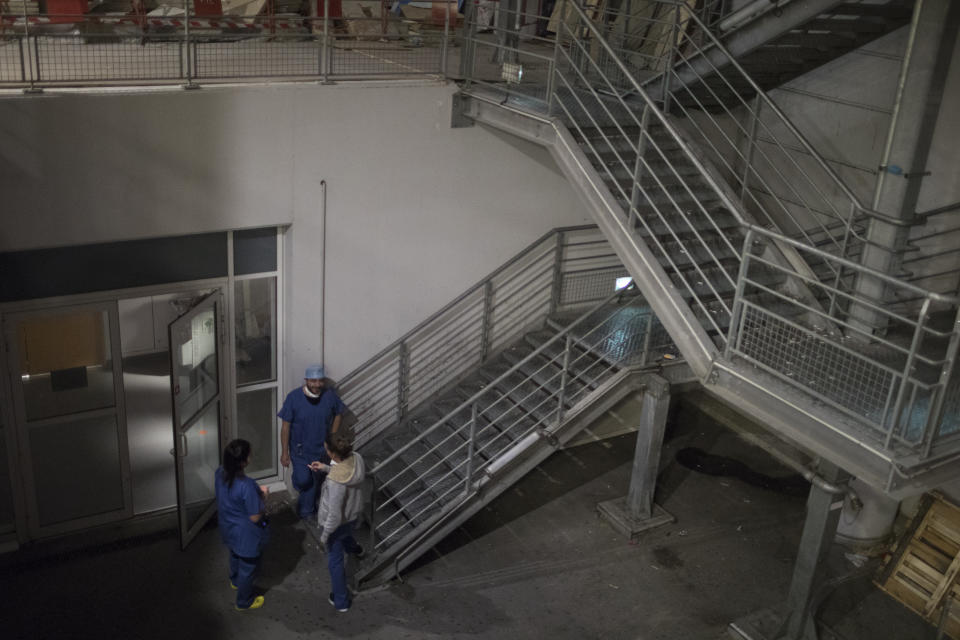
341	499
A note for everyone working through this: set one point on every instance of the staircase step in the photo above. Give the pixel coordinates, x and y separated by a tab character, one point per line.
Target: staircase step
404	491
454	447
390	523
525	393
549	373
433	473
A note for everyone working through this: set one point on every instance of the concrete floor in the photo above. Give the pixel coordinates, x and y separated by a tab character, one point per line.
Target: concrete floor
536	563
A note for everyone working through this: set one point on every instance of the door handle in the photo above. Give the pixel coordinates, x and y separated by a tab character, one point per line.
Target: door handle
183	445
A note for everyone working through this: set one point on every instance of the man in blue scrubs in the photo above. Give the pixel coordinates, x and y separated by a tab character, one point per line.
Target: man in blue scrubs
308	412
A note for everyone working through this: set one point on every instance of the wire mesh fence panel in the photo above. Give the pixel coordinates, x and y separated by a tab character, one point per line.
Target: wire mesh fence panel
590	285
844	378
393	55
12	67
83	58
266	56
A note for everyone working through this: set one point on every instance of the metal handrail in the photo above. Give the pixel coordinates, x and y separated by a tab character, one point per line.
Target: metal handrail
855	266
460	298
460	484
478	322
733	208
785	121
476	396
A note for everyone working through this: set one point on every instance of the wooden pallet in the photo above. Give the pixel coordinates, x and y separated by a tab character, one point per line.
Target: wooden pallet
923	572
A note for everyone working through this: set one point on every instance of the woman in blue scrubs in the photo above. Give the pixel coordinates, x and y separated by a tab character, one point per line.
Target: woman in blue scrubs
243	524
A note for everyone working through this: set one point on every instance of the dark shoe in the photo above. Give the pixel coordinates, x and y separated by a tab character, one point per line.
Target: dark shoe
359	552
344	610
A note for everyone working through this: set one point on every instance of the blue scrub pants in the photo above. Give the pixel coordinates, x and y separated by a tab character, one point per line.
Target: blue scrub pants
243	571
307	483
340	541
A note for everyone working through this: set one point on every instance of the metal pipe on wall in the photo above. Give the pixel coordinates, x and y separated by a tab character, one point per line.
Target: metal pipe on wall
323	272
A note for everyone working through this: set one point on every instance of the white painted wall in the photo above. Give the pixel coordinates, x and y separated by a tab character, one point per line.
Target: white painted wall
417	211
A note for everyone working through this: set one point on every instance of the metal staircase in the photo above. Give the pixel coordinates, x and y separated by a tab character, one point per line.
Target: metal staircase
743	239
465	404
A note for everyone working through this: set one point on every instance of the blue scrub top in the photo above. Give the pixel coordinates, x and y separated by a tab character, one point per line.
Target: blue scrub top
309	420
235	505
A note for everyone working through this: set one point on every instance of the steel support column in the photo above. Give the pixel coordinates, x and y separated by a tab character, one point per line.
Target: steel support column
823	515
636	512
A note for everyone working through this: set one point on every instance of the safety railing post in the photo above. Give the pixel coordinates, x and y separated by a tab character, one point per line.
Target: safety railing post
564	376
325	69
556	285
403	380
186	43
737	309
468	50
486	323
838	276
23	54
671	57
907	370
26	52
446	39
372	515
471	449
935	417
554	67
645	354
38	76
751	144
638	165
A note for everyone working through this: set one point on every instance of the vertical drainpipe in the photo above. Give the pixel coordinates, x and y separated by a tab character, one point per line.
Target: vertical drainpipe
323	272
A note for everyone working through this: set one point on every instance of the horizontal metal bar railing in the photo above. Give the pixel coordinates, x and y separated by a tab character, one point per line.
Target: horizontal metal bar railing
469	329
428	488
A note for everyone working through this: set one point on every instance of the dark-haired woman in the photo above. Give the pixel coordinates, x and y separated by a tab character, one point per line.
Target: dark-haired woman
243	525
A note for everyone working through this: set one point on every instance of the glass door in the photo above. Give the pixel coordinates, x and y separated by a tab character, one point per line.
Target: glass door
68	408
196	339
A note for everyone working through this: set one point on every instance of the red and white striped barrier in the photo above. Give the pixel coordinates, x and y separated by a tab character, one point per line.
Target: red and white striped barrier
176	22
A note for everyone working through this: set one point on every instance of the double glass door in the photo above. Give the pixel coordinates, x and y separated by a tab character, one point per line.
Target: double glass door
69	414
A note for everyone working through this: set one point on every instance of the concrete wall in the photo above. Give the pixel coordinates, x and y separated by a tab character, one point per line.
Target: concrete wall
417	211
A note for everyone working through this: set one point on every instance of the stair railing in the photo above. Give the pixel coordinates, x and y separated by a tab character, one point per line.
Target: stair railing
433	473
564	269
739	281
781	177
896	380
